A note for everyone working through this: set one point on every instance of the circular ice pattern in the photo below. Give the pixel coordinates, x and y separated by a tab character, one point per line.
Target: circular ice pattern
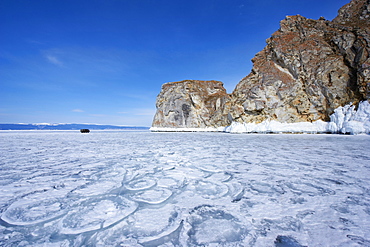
153	196
96	213
210	225
34	209
210	190
140	184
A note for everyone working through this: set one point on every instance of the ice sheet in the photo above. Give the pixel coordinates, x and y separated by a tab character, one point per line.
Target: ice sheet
63	188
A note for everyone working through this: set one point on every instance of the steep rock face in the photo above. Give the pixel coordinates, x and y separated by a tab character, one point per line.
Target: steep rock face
355	45
192	104
308	69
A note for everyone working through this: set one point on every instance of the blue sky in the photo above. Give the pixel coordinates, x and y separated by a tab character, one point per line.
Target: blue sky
103	62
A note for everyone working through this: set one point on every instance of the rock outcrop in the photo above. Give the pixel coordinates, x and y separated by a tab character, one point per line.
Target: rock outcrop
192	104
307	70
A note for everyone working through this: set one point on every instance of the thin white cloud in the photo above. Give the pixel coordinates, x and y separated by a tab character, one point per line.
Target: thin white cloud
77	110
54	60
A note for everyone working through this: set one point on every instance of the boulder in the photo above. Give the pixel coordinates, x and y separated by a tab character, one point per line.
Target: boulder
191	104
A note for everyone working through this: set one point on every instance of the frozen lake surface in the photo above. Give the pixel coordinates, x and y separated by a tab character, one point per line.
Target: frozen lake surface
117	188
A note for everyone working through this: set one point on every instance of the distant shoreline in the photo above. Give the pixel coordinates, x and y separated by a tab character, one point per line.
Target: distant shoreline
68	127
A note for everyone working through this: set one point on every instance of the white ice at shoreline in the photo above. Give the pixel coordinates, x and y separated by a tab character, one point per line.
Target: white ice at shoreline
165	129
347	120
344	120
277	127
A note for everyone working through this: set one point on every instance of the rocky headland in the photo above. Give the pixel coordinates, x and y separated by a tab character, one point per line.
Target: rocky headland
308	69
192	104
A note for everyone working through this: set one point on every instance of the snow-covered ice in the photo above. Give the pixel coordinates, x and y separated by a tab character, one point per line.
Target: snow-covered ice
117	188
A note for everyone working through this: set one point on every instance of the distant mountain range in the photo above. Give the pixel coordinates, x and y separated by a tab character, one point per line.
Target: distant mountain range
46	126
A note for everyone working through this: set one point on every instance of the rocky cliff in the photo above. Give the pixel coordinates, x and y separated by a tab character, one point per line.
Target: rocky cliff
192	104
307	69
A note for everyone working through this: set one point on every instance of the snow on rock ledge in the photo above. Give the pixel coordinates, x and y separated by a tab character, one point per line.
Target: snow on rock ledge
345	120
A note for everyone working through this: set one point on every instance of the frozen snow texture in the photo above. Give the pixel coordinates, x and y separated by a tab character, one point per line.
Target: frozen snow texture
63	188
